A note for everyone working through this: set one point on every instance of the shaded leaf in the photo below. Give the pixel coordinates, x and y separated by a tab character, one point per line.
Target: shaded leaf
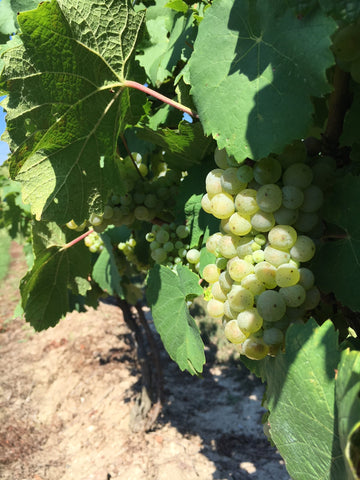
105	271
167	294
250	61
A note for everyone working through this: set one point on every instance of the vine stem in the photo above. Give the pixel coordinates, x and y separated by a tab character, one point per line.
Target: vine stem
76	240
159	96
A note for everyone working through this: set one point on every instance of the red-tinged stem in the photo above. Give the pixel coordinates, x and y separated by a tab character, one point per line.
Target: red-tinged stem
77	239
159	96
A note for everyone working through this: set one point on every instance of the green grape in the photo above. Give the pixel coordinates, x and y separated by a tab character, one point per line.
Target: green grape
245	173
162	236
233	332
294	153
95	220
260	239
168	247
269	198
298	175
126	200
303	249
273	336
154	245
306	222
182	231
159	255
255	246
245	202
255	348
282	237
252	283
258	256
312	298
267	170
285	216
307	278
230	182
249	259
228	311
142	213
143	169
222	205
324	172
151	200
243	246
265	272
293	296
295	314
292	197
271	306
275	256
150	237
211	273
287	275
313	199
139	197
225	226
249	321
228	246
182	252
192	256
213	182
262	221
225	281
239	268
346	43
220	157
108	212
213	242
240	298
179	244
239	225
215	308
221	263
217	292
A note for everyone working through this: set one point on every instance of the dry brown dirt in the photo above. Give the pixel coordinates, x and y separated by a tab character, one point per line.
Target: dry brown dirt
67	398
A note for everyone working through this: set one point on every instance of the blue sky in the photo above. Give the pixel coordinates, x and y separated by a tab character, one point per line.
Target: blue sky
4	149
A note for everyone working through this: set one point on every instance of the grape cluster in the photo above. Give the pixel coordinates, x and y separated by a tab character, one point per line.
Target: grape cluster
146	198
169	243
94	242
258	286
346	49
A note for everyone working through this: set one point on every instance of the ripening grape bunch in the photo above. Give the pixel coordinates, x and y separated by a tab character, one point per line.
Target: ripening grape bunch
146	197
258	282
169	246
346	48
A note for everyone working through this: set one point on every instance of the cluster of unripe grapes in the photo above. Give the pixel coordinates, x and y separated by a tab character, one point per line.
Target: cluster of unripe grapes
258	286
94	242
346	48
146	198
169	243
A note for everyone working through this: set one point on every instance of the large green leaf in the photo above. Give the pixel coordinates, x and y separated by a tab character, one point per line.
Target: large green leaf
341	258
66	103
301	400
46	288
251	60
348	402
167	295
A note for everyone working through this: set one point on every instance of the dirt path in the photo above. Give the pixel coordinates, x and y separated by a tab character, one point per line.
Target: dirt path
66	405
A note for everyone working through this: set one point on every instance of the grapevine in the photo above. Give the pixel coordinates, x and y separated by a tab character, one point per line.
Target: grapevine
176	150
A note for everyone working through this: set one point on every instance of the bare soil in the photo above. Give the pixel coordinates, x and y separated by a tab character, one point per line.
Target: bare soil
68	397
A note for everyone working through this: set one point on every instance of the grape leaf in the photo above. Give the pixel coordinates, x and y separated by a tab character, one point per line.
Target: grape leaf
341	257
301	400
184	147
350	133
171	35
167	294
5	242
66	103
9	9
250	61
46	288
348	402
105	271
